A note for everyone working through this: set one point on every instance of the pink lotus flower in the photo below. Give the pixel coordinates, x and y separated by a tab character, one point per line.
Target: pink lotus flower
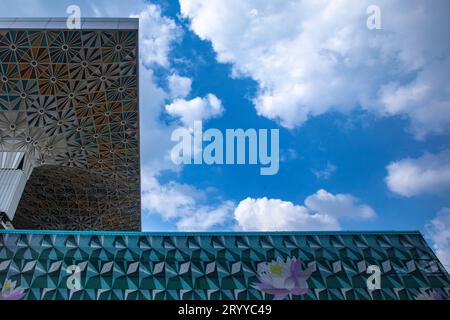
282	278
10	292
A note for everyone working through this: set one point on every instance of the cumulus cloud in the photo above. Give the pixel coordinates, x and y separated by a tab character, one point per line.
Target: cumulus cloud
429	173
338	205
321	211
196	109
309	57
206	217
179	87
439	232
426	100
183	204
265	214
157	35
191	209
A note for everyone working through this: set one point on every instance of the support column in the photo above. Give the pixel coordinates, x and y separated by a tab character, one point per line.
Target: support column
15	169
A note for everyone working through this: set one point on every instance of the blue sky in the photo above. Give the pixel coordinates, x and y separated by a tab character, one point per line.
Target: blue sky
364	115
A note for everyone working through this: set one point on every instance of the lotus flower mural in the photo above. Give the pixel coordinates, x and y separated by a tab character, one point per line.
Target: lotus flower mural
282	278
10	291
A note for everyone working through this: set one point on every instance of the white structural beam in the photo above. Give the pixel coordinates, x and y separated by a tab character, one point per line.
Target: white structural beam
15	169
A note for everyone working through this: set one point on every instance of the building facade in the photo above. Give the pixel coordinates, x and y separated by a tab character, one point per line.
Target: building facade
293	265
69	136
69	160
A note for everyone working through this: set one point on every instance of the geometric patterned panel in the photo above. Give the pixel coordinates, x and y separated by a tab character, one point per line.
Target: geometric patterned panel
89	200
69	98
304	266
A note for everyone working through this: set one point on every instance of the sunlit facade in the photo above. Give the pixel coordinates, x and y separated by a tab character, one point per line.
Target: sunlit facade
69	137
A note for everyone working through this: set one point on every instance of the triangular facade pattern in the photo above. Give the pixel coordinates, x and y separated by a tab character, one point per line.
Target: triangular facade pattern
139	266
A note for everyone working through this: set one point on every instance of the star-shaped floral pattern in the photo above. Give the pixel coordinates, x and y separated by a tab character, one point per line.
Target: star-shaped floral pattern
69	98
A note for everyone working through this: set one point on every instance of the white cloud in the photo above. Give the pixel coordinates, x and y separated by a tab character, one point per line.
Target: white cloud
157	36
326	173
155	135
439	232
206	217
426	100
183	204
429	173
179	87
196	109
264	214
322	211
313	56
338	205
190	209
